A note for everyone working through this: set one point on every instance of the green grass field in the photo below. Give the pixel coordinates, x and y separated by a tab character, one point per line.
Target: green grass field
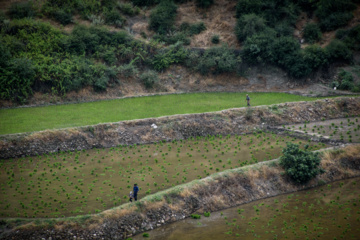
72	115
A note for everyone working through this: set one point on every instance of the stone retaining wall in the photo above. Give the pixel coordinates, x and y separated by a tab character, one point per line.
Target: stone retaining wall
231	121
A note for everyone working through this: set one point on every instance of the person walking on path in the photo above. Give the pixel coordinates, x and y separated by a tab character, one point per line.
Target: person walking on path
248	100
135	191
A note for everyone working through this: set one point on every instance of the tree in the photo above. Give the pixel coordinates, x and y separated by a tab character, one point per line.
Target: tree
300	165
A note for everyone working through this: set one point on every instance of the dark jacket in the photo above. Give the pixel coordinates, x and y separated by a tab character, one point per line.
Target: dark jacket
136	189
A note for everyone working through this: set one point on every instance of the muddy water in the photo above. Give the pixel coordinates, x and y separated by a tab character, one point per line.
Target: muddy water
331	211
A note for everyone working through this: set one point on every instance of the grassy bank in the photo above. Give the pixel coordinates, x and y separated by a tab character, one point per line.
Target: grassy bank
72	115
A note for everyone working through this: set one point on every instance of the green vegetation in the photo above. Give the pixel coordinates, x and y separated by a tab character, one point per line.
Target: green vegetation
50	117
327	212
90	181
300	165
344	130
265	30
37	57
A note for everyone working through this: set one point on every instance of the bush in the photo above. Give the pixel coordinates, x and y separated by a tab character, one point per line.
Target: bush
192	29
173	39
165	57
283	49
128	70
257	49
22	10
162	18
315	56
204	3
273	11
149	79
248	6
284	29
215	39
216	60
335	20
338	51
350	37
128	9
312	33
300	165
144	2
113	17
346	80
196	28
16	78
334	14
249	25
62	16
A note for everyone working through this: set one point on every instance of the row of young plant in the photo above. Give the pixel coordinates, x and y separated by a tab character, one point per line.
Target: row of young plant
75	183
327	212
347	130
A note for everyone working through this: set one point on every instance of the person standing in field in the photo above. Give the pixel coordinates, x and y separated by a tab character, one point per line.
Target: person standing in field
135	191
248	100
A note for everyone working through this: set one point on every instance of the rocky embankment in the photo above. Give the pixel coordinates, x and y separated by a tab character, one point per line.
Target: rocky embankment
216	192
231	121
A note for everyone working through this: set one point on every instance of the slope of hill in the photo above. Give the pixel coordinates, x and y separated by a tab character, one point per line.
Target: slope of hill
69	51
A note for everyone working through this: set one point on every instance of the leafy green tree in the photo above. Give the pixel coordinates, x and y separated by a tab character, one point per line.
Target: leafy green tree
315	56
300	165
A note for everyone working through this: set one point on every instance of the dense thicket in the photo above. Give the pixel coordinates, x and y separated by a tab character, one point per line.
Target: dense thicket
265	29
35	56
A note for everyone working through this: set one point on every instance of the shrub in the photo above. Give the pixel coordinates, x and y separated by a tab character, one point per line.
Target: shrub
346	80
257	49
62	16
128	70
217	60
113	17
248	6
334	14
96	20
144	2
249	25
149	78
312	33
283	49
192	29
338	51
272	11
165	57
284	29
173	38
16	78
146	235
195	216
20	10
196	28
350	37
335	20
300	165
204	3
315	56
215	39
128	9
162	18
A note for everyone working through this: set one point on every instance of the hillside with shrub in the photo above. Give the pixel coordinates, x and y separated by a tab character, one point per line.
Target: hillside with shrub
114	48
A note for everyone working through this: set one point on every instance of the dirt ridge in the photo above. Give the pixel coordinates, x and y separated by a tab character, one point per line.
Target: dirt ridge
176	127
